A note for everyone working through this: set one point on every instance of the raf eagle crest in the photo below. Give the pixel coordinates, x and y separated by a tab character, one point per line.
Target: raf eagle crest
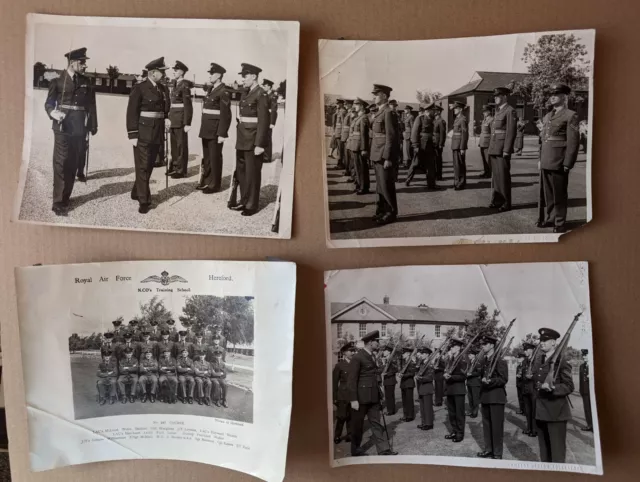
164	279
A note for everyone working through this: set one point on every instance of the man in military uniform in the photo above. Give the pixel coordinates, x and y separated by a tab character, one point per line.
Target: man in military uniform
407	384
144	346
216	345
108	345
267	85
560	144
142	77
71	104
454	379
358	146
439	139
407	126
493	397
438	380
389	379
214	129
459	140
424	377
202	377
529	391
127	343
552	399
180	115
155	331
182	344
364	395
173	332
585	391
218	380
519	143
503	136
340	393
485	139
336	125
184	366
117	331
168	378
520	383
128	374
107	377
345	155
148	376
147	119
422	141
474	374
164	344
384	156
200	345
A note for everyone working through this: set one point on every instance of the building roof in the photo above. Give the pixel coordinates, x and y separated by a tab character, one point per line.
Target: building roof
400	313
483	81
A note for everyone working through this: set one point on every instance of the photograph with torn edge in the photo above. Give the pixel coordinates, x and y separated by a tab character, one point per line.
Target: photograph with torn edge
449	141
160	359
150	129
476	365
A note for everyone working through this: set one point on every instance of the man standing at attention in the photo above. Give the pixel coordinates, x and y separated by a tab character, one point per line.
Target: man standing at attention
439	139
485	139
340	393
358	146
585	391
180	115
459	140
503	137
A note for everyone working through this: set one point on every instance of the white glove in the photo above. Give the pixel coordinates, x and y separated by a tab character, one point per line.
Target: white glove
271	126
167	124
355	405
134	142
58	115
187	128
221	139
258	151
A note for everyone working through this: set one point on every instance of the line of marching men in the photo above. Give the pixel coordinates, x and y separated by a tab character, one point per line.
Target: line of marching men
377	134
364	382
170	368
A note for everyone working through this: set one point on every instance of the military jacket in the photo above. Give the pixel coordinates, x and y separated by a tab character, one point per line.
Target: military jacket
181	112
585	389
485	132
106	370
503	131
161	346
143	347
474	376
384	146
148	367
407	380
179	347
422	133
560	140
167	367
362	378
494	392
439	132
218	369
425	377
77	99
184	366
147	100
460	135
346	126
359	134
408	126
553	406
390	374
455	385
216	113
273	108
253	120
340	392
128	367
201	368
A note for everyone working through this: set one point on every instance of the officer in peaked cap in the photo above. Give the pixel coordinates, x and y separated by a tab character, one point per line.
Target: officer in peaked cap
407	384
528	389
364	395
424	379
407	125
267	85
503	137
340	394
214	129
422	135
474	374
358	146
439	139
553	410
107	344
560	138
459	140
485	139
147	119
455	390
585	391
180	115
71	105
128	375
251	142
389	379
336	129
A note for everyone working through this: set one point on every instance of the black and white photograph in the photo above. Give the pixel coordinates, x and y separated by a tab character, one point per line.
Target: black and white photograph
160	125
197	360
476	365
449	141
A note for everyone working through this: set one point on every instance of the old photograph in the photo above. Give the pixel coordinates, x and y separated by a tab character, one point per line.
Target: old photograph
477	365
160	125
480	139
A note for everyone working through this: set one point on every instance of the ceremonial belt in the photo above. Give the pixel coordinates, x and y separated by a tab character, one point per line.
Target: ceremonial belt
555	138
211	111
177	106
249	120
152	115
71	107
500	131
379	134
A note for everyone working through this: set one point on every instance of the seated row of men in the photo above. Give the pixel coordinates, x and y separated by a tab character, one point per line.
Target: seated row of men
168	379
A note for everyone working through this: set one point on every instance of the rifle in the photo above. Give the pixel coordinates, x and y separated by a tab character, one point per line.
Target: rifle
86	173
558	353
390	360
437	352
473	365
498	350
413	353
529	373
506	348
462	353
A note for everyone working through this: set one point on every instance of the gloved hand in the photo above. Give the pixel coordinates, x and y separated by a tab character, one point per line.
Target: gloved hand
58	115
258	151
221	139
187	128
134	142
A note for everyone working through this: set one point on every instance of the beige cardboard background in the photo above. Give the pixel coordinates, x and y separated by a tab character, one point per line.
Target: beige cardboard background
609	242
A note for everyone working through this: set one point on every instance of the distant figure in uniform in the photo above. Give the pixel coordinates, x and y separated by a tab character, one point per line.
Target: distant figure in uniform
124	345
520	383
439	139
528	390
337	131
341	395
389	380
518	145
358	146
181	344
128	375
155	331
117	331
148	376
218	380
424	377
493	397
438	380
267	85
583	127
107	377
107	344
454	379
407	124
423	145
144	346
202	376
560	144
364	394
147	119
552	401
71	104
345	155
252	140
214	129
585	391
142	77
180	115
164	344
384	156
168	378
503	136
407	384
474	374
485	139
184	366
459	140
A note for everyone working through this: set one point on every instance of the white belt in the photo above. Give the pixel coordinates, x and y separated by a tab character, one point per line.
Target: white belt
153	115
249	120
211	111
71	107
177	106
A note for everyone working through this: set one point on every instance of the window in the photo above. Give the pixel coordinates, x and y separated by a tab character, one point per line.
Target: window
437	331
362	329
115	82
129	84
98	81
339	330
412	330
383	330
108	82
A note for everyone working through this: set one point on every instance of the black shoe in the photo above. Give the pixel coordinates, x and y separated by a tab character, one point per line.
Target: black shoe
427	427
504	208
200	187
388	452
450	436
386	219
544	224
421	427
207	401
208	190
559	229
184	400
216	403
123	400
497	457
102	401
468	414
190	400
144	398
248	212
236	207
224	403
177	175
485	455
375	217
171	172
587	429
153	398
359	453
59	209
337	440
82	178
457	439
199	401
132	399
533	434
144	208
112	401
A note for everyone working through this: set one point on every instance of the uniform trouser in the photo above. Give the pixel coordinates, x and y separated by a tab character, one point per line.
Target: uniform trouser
455	410
500	181
249	174
343	154
179	150
339	149
211	163
555	184
204	387
407	151
187	385
486	166
148	379
169	383
106	386
520	397
459	168
82	159
426	161
408	408
386	189
493	427
426	409
361	164
343	417
347	160
144	156
372	412
586	402
530	411
439	162
390	398
123	380
67	152
473	393
439	390
552	438
219	389
268	149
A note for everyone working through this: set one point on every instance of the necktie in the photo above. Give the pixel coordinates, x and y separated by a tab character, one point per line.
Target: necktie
544	358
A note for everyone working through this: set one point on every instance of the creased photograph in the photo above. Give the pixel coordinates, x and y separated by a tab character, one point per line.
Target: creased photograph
160	360
160	125
457	141
477	365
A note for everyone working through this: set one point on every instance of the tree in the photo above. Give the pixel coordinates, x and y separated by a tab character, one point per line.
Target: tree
154	309
74	343
427	96
532	338
553	58
282	89
234	314
113	72
38	73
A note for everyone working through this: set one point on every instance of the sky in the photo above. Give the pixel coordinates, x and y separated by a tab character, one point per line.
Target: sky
350	68
131	48
537	294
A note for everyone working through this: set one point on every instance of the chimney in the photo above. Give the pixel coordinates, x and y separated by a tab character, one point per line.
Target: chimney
385	300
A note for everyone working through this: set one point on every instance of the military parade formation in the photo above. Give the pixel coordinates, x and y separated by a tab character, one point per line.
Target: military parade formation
158	119
469	375
151	363
376	136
